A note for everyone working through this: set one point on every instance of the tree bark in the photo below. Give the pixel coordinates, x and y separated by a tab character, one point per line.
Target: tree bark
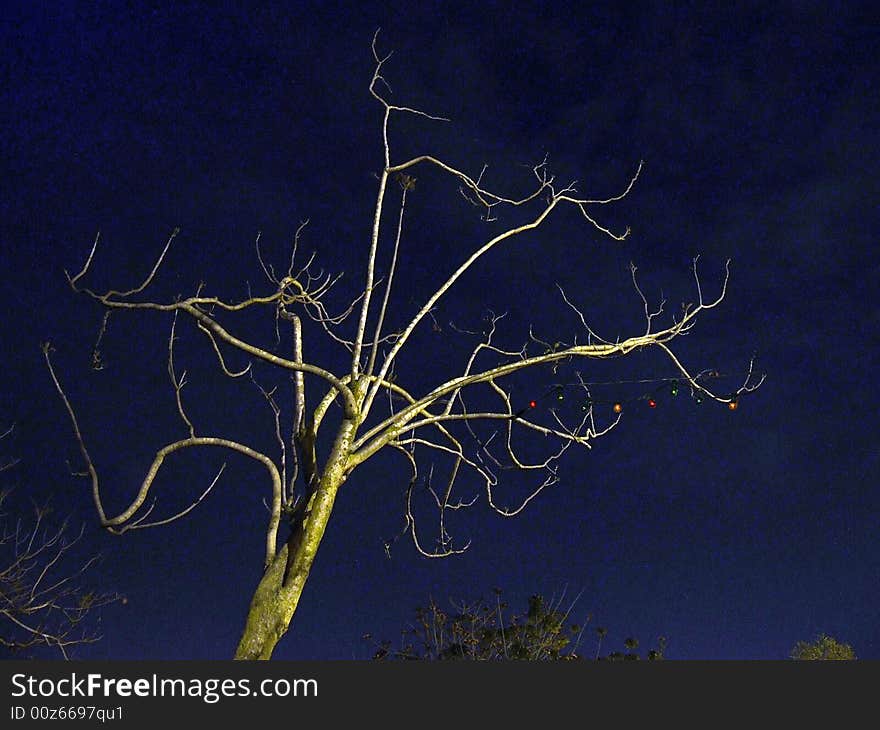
279	590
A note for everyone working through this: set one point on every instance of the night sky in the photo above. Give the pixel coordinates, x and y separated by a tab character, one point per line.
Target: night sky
732	533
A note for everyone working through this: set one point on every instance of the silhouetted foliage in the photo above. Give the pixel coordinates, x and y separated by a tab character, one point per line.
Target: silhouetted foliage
483	631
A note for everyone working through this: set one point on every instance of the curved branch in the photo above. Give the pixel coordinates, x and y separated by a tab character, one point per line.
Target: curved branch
226	370
117	524
410	519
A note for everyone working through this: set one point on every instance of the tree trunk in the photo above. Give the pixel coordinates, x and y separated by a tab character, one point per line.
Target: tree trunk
281	586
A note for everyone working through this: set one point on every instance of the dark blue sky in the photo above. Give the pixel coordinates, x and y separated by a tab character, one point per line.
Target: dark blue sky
732	534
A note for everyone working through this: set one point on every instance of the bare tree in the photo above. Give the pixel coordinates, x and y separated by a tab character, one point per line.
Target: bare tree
366	407
42	600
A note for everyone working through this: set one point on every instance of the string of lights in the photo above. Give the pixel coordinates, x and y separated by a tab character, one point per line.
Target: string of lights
559	392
